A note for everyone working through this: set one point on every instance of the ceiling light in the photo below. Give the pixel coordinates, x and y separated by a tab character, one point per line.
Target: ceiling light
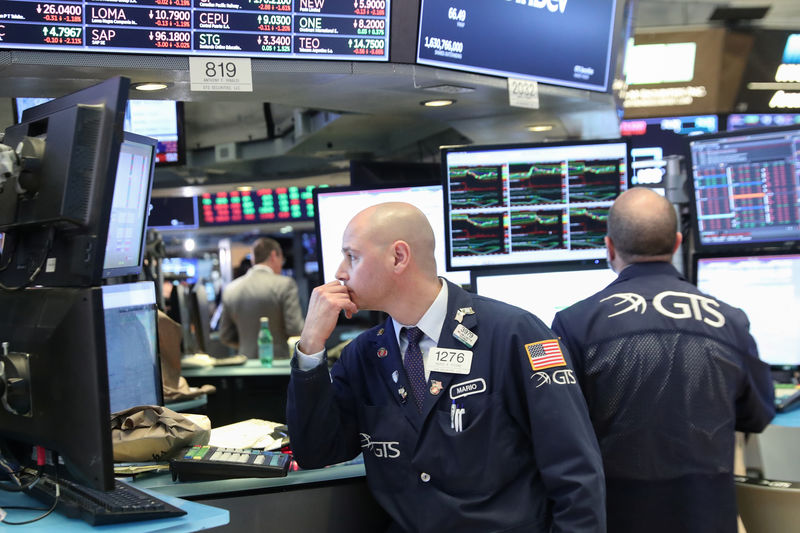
151	86
437	103
540	127
244	188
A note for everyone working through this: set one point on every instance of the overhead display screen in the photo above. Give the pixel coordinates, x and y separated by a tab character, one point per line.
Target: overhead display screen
319	29
257	206
559	42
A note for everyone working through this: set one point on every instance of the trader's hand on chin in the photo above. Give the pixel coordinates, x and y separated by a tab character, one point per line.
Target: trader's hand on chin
323	311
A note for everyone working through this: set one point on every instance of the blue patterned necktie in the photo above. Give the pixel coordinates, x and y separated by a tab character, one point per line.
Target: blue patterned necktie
413	364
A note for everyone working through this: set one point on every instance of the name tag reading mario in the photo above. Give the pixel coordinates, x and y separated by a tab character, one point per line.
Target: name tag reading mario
449	361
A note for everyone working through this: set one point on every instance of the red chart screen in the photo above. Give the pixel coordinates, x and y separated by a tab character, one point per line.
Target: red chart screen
747	187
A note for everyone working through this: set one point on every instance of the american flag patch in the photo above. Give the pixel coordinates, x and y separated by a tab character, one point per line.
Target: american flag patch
545	354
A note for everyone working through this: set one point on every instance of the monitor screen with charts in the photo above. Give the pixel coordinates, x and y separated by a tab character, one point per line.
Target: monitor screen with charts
530	203
746	187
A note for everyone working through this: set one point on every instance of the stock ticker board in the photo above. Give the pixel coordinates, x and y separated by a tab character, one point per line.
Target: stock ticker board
282	204
356	30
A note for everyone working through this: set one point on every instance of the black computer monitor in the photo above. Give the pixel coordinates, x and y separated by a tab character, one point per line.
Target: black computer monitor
534	203
173	213
134	370
766	288
335	206
746	190
544	292
129	205
62	332
55	214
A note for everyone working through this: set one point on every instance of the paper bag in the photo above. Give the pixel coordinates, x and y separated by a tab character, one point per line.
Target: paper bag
153	433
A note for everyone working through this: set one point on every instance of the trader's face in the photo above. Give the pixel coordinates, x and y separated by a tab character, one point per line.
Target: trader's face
367	266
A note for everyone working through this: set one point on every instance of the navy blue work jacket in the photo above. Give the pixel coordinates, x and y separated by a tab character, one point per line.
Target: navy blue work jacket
525	460
668	373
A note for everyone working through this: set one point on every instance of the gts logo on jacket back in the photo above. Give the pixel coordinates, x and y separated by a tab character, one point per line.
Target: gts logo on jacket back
672	304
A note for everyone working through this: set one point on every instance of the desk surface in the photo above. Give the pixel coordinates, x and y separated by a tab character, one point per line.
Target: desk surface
790	419
252	367
163	484
198	517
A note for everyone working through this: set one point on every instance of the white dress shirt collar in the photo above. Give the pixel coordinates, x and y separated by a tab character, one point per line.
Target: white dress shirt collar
431	322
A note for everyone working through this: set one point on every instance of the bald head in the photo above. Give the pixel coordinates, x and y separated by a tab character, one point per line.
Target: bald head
642	226
386	223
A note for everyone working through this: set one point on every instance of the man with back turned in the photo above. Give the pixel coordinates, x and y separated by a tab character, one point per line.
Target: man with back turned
669	374
261	291
466	409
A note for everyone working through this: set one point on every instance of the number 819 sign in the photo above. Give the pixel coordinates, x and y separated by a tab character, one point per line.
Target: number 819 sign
221	74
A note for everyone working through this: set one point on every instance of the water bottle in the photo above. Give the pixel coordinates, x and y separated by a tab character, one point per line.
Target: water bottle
265	349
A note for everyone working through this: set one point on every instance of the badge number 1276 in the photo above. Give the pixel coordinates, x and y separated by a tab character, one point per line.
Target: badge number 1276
450	361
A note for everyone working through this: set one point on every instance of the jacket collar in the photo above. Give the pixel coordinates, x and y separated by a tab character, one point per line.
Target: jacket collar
654	268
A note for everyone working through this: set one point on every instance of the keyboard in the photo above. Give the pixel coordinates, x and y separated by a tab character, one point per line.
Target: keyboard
201	463
122	504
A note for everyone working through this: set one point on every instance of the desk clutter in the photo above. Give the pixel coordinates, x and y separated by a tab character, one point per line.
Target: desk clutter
152	433
252	433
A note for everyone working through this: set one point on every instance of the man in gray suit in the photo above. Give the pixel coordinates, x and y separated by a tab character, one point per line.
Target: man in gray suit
262	291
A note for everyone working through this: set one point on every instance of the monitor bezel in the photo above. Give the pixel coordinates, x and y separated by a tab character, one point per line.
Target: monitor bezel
445	150
738	248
